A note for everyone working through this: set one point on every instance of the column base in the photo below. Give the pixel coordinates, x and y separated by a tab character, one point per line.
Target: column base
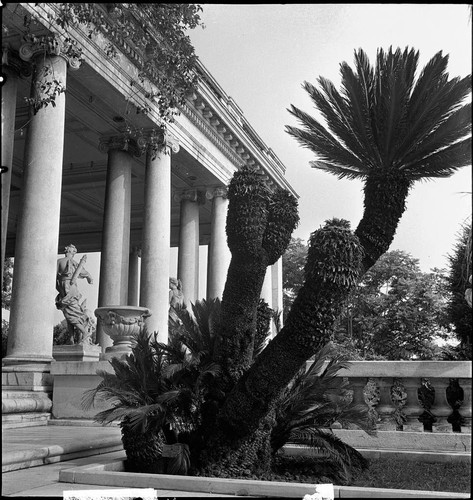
26	360
26	394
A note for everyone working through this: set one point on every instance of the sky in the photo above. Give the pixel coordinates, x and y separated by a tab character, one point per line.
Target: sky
261	54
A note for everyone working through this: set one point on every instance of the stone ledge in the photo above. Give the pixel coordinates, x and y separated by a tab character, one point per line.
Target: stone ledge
111	474
79	368
14	460
407	441
15	420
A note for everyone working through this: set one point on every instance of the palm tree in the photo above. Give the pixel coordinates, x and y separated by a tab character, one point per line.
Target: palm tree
389	129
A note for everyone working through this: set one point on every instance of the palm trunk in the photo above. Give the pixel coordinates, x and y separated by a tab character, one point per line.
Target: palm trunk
384	202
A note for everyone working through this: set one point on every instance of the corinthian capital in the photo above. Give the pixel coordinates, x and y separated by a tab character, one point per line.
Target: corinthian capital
52	45
123	142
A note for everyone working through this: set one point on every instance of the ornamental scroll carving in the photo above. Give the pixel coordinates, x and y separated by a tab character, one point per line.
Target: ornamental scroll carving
218	192
52	45
12	61
190	195
134	146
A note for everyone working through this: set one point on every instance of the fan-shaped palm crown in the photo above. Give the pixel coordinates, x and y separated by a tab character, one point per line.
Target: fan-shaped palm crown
385	119
389	129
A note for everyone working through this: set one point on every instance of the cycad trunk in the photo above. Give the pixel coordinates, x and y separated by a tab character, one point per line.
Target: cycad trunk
385	202
241	440
143	450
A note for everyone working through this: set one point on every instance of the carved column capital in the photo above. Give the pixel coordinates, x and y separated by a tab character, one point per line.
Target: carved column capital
191	195
12	61
123	142
220	191
52	45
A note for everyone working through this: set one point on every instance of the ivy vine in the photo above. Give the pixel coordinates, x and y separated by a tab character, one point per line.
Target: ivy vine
156	37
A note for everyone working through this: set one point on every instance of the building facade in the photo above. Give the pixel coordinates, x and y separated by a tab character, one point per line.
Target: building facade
95	171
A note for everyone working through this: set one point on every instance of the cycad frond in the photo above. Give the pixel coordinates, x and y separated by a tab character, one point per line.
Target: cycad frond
385	119
324	442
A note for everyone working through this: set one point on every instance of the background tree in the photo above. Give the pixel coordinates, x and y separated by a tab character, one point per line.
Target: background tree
7	283
396	312
459	312
293	261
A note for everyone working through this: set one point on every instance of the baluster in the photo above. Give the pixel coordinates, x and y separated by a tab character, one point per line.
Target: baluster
441	408
413	409
426	395
398	398
371	398
465	410
385	408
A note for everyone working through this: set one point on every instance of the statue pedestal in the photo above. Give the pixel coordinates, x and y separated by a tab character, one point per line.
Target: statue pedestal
76	352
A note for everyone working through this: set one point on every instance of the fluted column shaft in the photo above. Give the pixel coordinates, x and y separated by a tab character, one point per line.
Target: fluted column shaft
32	305
219	255
155	253
188	253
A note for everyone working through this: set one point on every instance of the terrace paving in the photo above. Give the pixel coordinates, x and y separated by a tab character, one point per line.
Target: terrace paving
33	456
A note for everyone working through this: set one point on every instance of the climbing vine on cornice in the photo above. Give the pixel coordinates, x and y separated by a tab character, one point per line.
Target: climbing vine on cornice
162	51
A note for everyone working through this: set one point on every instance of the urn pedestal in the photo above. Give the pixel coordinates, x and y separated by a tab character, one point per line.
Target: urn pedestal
121	324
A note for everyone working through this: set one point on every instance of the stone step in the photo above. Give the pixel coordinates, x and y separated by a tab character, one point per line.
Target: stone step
15	420
43	445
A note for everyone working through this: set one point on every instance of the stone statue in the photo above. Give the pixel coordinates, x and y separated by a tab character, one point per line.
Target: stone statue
78	321
176	298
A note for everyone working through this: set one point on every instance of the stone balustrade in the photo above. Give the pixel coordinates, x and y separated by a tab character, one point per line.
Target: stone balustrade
416	396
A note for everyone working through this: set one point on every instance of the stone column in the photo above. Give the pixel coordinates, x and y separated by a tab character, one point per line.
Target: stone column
32	306
267	289
13	68
133	277
219	254
114	262
188	253
155	256
277	288
267	295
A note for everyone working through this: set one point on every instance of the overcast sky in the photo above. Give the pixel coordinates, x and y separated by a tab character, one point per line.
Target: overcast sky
261	53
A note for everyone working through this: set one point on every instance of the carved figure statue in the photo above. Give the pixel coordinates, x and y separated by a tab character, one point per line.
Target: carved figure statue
77	316
176	298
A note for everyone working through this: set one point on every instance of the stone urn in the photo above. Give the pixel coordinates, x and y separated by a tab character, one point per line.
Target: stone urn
121	324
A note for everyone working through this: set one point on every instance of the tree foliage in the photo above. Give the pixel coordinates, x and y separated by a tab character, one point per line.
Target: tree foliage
396	311
293	261
7	283
157	31
459	312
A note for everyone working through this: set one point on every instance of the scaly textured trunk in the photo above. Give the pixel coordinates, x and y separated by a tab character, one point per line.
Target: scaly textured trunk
143	451
384	202
238	314
331	270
